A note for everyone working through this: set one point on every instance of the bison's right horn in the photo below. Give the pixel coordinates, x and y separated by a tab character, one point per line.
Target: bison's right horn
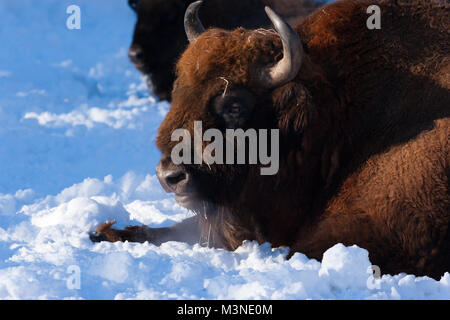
192	24
287	68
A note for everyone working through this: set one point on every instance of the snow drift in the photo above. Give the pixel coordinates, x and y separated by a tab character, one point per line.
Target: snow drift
47	241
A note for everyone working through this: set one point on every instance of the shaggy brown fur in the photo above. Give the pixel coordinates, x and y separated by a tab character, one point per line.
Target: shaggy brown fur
364	129
160	25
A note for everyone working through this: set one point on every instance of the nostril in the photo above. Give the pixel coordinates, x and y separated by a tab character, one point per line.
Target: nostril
176	177
136	55
172	177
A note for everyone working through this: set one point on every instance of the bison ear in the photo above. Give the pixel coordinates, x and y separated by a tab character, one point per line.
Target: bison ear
294	107
192	24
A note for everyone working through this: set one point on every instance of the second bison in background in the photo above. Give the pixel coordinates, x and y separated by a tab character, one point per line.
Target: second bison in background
159	37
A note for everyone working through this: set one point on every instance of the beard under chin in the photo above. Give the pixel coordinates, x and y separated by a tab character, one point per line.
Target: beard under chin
210	219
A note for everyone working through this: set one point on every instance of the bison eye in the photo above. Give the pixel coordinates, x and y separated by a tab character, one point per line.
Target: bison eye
234	109
133	4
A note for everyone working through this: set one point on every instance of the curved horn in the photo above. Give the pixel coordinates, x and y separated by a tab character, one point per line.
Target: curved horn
287	68
192	24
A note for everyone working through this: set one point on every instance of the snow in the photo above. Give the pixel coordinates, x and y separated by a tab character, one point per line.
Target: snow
77	126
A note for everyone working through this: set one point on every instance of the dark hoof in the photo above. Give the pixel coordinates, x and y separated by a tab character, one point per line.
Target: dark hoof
104	233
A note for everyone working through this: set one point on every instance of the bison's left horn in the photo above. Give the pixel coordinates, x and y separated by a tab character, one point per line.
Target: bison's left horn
287	68
192	24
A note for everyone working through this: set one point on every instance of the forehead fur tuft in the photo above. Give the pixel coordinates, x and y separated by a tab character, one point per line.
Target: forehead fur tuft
232	55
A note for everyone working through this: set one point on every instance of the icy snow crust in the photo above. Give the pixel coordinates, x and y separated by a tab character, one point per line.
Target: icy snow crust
77	126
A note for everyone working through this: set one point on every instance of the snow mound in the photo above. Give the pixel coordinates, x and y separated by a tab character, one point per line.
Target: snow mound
46	253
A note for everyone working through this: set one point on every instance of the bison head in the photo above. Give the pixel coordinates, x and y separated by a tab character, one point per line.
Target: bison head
160	25
244	79
159	22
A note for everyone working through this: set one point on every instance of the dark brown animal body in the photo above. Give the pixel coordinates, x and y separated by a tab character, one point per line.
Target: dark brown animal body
364	138
159	37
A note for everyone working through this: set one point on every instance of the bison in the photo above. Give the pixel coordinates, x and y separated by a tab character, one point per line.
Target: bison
364	125
159	37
